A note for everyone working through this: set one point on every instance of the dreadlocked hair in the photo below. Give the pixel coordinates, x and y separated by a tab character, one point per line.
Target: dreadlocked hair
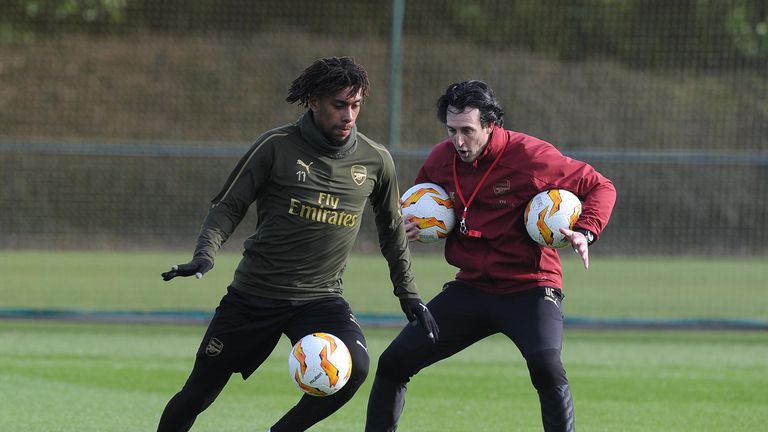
328	76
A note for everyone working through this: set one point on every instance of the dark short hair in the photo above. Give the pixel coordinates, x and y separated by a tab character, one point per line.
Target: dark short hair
328	76
473	94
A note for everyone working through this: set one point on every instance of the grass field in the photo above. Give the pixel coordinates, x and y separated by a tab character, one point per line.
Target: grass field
66	376
623	287
111	377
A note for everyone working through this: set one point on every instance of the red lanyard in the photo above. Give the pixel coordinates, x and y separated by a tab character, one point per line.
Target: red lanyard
463	223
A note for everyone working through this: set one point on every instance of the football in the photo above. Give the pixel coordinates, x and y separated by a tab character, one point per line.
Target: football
432	210
549	211
320	364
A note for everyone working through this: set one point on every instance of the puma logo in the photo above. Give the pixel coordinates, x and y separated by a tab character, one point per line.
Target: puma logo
549	294
553	301
304	165
302	175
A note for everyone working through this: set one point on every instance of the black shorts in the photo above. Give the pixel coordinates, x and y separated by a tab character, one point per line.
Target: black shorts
246	328
532	319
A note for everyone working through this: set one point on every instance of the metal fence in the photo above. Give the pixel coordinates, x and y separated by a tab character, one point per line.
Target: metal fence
120	120
155	196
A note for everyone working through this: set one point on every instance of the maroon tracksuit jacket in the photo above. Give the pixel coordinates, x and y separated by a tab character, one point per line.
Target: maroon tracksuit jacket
501	257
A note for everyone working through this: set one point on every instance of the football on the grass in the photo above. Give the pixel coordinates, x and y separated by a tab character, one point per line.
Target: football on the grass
320	364
431	208
549	211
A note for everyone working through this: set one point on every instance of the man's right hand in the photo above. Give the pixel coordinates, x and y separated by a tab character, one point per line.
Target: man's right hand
197	267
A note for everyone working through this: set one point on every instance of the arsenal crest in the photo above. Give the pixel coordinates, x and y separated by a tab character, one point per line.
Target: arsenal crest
359	174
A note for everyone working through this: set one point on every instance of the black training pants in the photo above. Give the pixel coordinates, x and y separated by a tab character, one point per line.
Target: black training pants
243	332
533	320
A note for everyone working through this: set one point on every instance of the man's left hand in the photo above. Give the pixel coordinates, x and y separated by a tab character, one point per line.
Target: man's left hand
411	228
416	310
579	244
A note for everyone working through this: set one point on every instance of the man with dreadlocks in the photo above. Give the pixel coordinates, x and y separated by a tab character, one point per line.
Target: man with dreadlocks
310	181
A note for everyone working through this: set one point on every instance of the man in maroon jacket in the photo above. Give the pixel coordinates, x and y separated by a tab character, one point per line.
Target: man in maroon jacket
506	282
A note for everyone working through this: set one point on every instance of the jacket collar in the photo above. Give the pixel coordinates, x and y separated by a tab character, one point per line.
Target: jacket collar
496	144
317	140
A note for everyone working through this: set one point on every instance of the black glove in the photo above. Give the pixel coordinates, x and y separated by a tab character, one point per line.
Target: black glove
416	311
197	267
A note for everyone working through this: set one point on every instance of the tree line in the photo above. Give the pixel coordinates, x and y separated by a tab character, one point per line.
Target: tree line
641	33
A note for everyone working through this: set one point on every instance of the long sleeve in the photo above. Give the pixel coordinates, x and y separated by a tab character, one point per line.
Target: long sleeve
230	205
390	225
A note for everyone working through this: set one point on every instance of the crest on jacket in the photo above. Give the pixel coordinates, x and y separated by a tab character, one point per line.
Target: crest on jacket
359	174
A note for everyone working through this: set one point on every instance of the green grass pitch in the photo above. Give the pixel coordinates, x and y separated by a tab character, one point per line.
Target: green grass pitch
621	287
112	377
70	376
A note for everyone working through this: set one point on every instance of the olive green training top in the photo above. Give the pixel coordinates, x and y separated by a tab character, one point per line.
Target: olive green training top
310	196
